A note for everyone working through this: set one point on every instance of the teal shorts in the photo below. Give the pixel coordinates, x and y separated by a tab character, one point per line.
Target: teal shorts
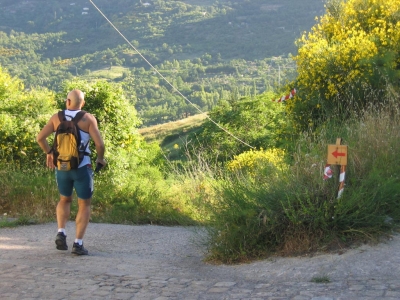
81	179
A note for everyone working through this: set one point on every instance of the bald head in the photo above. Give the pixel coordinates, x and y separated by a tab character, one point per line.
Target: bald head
75	99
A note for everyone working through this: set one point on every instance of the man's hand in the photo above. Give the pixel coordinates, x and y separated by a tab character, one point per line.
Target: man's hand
101	161
49	161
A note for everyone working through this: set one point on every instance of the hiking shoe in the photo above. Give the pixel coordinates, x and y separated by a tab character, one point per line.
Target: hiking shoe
61	241
79	249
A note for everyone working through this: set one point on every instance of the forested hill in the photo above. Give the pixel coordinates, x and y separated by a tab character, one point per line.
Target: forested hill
46	42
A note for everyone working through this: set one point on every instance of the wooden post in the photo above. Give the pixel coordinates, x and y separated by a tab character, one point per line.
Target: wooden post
342	172
337	155
341	180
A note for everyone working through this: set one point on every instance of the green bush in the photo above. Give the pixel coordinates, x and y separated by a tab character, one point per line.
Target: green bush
22	114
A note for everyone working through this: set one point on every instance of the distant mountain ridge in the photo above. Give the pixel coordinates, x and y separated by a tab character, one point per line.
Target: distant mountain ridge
258	28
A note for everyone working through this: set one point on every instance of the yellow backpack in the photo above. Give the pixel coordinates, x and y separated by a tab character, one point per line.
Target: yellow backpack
68	148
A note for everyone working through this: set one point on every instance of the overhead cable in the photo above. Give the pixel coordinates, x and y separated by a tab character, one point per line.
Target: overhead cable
173	87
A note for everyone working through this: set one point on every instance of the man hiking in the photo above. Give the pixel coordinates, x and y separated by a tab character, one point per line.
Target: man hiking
80	178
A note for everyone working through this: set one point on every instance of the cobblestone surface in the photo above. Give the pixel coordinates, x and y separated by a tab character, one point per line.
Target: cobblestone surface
153	262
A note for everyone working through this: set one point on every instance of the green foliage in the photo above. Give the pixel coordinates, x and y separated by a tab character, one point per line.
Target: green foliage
7	86
257	121
22	115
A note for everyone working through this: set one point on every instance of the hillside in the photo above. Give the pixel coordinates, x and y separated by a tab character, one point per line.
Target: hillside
210	50
251	29
158	133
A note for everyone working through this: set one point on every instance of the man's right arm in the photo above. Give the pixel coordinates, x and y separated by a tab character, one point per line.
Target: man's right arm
41	139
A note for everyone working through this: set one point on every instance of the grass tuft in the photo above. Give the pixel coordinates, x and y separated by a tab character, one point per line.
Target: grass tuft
321	279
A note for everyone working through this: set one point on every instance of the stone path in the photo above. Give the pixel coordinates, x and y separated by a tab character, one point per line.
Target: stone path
153	262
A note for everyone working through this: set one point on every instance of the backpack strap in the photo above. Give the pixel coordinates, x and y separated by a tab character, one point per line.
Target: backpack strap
76	119
61	115
78	116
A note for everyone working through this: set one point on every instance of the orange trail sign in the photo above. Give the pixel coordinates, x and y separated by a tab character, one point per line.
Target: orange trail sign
337	154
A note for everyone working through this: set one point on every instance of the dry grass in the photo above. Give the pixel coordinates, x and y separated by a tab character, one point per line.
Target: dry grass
107	73
28	194
158	132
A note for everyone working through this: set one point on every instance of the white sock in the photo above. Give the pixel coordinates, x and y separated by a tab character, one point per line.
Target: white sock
62	230
79	241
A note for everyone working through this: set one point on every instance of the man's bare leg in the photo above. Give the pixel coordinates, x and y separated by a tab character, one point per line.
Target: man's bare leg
82	218
63	211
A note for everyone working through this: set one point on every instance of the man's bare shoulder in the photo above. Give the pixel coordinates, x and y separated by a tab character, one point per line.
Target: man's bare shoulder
87	122
54	118
88	117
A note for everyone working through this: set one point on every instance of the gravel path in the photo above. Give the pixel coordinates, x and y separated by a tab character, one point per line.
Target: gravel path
154	262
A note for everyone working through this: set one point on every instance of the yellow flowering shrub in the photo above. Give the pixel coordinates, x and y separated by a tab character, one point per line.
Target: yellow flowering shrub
250	162
352	47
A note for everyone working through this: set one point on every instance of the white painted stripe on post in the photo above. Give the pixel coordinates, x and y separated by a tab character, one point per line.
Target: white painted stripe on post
341	177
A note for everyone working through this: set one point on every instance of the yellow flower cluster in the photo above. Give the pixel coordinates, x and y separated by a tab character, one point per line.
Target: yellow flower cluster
9	51
63	62
337	50
253	160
